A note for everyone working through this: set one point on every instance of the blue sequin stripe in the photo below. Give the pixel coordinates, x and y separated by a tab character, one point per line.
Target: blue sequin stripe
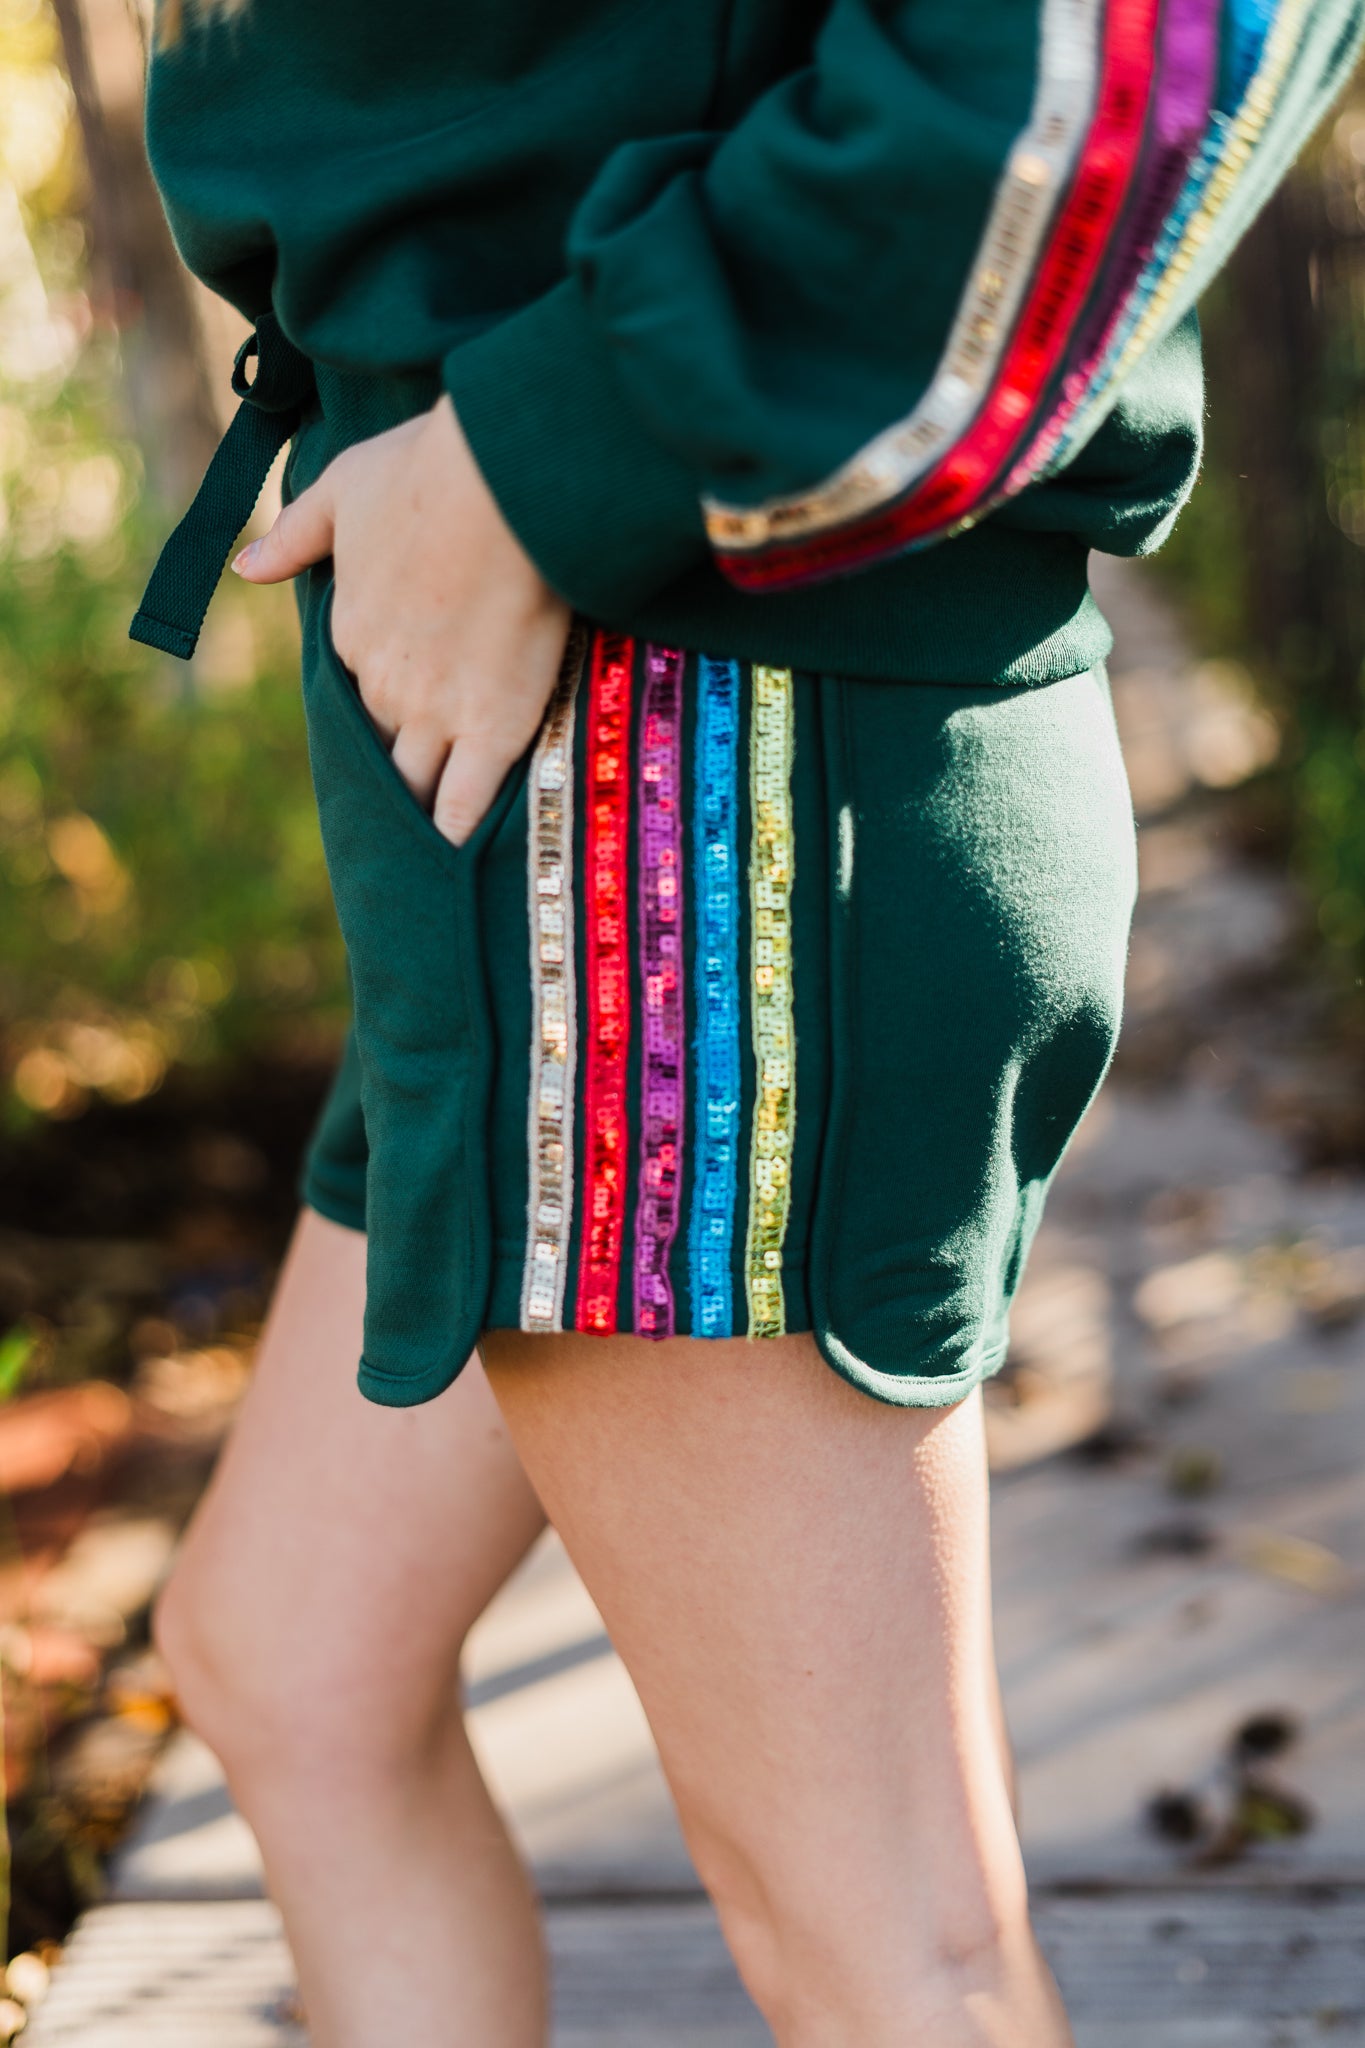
717	1094
1249	29
1250	26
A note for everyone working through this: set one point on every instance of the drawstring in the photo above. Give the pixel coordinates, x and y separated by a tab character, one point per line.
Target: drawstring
190	564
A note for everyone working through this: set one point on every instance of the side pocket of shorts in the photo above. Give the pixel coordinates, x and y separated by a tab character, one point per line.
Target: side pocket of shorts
407	903
981	840
881	1313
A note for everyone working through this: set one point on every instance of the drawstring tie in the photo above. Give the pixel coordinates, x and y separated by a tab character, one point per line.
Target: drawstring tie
192	561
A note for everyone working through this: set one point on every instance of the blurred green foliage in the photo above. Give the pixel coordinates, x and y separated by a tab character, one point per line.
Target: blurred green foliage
162	894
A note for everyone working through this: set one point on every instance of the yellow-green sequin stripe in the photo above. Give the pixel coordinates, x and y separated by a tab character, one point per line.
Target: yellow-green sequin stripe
1247	125
772	860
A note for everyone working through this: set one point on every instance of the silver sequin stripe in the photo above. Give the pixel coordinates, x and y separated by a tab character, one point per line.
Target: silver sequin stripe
1037	171
554	1047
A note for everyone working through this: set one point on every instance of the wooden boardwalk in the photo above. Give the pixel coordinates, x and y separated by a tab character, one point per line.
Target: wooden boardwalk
1201	1569
1190	1971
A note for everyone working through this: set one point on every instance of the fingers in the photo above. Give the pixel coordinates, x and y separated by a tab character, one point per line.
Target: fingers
469	782
302	534
419	753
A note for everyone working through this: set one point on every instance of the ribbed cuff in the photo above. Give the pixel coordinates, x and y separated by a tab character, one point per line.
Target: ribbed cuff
607	515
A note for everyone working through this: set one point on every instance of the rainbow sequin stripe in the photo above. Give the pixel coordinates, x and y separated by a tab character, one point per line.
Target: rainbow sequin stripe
550	1105
1094	245
651	1207
663	1054
718	994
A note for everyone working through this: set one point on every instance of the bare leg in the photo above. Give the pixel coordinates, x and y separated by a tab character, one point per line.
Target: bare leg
314	1627
796	1577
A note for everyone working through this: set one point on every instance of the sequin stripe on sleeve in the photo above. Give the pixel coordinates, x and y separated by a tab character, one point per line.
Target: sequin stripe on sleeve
1181	106
607	977
957	487
772	861
1183	227
550	1107
715	862
662	1027
1036	172
1264	47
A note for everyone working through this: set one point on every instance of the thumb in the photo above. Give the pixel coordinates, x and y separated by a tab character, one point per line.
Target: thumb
302	534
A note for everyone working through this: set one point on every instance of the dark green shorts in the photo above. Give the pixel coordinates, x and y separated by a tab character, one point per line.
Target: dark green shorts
760	1001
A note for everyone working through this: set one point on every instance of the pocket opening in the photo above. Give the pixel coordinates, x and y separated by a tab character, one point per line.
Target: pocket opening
400	798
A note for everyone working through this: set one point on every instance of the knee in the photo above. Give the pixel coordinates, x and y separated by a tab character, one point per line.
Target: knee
310	1699
751	1920
780	1922
230	1694
831	1976
867	1949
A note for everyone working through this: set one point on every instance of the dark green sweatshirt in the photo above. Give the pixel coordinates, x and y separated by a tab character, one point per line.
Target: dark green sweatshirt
825	332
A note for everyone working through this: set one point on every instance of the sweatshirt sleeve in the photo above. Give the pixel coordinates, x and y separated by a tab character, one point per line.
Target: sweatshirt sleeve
910	282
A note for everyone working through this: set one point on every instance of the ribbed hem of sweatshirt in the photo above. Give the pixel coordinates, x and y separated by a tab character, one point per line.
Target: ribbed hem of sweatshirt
993	607
613	523
607	515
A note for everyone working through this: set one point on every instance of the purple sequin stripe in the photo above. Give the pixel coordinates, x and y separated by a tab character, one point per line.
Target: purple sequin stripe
661	973
1183	95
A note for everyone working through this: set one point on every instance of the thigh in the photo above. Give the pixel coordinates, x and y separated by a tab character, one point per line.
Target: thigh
797	1579
343	1547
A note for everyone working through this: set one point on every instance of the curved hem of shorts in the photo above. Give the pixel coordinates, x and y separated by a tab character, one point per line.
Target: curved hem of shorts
405	1390
909	1390
894	1390
334	1207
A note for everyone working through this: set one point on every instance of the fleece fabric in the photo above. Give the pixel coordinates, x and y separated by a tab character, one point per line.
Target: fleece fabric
833	332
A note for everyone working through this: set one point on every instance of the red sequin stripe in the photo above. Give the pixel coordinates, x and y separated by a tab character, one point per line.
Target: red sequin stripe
961	481
607	976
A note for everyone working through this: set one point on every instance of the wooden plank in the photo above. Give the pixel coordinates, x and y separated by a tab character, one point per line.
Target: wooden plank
1198	1959
205	1975
1128	1661
170	1976
1198	1970
647	1976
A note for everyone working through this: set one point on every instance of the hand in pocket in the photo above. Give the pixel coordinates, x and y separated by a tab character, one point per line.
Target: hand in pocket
451	632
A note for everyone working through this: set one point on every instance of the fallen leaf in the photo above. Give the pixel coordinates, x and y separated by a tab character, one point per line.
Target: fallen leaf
1185	1537
1267	1813
1192	1472
1178	1816
1267	1734
1294	1559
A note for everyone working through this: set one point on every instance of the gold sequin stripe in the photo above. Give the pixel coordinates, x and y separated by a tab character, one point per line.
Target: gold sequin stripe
1243	131
550	1106
772	860
1247	126
1038	167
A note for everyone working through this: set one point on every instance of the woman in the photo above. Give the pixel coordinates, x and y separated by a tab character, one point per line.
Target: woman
702	412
